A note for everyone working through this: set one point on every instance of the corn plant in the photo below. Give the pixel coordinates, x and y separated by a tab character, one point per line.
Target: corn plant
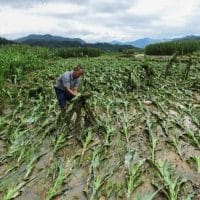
196	161
30	165
59	142
12	193
126	120
192	138
95	163
107	130
97	183
174	141
87	140
147	196
187	69
153	138
62	172
171	186
133	179
96	158
149	73
168	67
15	192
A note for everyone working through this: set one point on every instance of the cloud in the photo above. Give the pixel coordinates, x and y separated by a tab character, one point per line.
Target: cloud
109	6
31	3
19	3
100	20
58	9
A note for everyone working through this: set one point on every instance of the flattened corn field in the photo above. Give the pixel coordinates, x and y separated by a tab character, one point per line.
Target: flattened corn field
135	136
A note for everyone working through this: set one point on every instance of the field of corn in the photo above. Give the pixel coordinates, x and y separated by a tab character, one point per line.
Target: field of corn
131	133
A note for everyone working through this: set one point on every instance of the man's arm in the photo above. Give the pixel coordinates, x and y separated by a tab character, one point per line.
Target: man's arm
69	91
66	84
75	90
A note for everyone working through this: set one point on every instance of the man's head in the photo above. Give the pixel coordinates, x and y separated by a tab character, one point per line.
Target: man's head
78	71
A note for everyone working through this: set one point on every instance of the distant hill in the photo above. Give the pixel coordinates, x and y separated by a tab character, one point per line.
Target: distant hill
57	41
189	37
117	42
143	42
48	38
140	43
4	41
50	41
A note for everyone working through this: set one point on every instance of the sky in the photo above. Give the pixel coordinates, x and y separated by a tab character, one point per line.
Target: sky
100	20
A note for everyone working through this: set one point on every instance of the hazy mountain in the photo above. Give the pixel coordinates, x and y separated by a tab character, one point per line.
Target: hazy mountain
117	42
47	38
141	43
5	41
188	37
57	41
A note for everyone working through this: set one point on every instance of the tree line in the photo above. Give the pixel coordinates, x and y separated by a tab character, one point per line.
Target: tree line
78	52
169	48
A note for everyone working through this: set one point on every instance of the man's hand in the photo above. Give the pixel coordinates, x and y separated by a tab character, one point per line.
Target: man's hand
75	93
69	91
75	90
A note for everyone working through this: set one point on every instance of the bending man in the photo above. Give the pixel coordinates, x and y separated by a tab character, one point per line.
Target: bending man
67	86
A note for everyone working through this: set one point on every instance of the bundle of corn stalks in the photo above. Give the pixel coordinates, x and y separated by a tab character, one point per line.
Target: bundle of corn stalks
1	105
187	68
77	107
169	64
149	73
133	82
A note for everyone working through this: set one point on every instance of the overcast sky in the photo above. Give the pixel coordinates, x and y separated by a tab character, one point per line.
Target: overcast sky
100	20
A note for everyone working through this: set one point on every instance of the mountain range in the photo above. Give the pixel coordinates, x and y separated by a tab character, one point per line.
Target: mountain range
47	38
141	43
58	41
5	41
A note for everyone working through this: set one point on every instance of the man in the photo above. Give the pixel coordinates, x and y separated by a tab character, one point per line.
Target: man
67	86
